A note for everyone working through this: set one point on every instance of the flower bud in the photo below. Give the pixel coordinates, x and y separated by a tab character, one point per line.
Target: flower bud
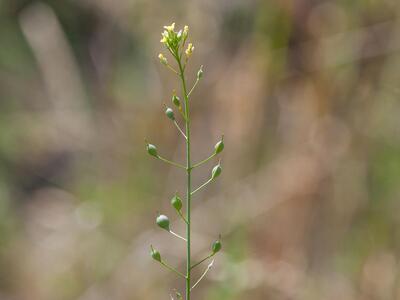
155	254
219	146
185	31
216	246
216	171
178	296
200	73
170	114
189	50
176	202
152	150
163	59
163	222
176	100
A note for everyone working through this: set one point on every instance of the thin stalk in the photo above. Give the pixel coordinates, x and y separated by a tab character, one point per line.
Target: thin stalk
204	274
189	171
204	161
180	130
203	260
172	69
190	92
172	269
170	162
203	185
182	216
177	235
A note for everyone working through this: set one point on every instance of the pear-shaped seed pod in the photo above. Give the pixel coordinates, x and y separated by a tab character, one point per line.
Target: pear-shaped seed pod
216	171
170	113
219	146
176	101
163	222
216	246
155	254
152	150
176	202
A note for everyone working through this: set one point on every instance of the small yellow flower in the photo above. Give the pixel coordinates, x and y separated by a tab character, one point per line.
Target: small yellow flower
189	50
163	59
170	27
185	31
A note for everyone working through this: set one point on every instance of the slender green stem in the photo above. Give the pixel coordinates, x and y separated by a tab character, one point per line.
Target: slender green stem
172	69
171	162
188	170
203	185
190	92
204	274
177	235
172	269
203	260
204	161
180	130
181	215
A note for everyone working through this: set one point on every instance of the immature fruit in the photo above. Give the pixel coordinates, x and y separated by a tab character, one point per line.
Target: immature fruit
216	171
176	202
170	113
163	222
219	146
176	101
216	246
200	73
152	150
163	59
155	254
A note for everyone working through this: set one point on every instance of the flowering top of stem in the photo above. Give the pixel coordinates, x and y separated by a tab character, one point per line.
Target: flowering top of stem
172	39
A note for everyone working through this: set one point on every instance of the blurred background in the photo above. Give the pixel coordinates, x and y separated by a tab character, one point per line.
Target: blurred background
307	94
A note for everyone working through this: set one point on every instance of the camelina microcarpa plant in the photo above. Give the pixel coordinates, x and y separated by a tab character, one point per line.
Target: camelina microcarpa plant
175	43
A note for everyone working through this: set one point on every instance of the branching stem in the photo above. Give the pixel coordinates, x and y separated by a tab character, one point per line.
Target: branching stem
189	172
204	274
203	260
180	130
177	235
171	269
204	161
203	185
190	92
170	162
182	216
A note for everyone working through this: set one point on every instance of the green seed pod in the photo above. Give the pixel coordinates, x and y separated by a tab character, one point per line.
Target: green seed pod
152	150
176	101
216	171
216	246
155	254
176	202
200	73
163	222
219	146
170	114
